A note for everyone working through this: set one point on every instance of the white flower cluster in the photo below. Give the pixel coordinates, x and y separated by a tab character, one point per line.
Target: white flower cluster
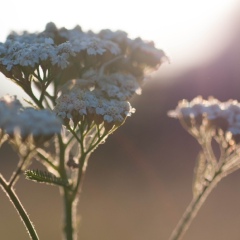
9	105
27	121
90	42
108	69
64	48
223	115
78	105
141	51
30	50
119	86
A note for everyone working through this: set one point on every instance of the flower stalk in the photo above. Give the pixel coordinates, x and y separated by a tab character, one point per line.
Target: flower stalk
209	121
19	207
70	212
193	208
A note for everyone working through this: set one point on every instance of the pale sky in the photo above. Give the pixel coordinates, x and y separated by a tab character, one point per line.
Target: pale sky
189	31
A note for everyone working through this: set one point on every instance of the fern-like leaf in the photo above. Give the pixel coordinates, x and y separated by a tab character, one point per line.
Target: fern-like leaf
45	177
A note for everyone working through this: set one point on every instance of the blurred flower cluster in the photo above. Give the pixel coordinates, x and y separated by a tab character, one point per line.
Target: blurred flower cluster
203	117
216	127
19	123
212	121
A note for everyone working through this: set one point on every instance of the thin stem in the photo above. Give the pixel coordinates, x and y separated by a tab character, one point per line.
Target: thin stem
62	150
208	151
19	207
18	171
75	135
44	156
22	165
43	92
81	171
70	140
193	208
94	145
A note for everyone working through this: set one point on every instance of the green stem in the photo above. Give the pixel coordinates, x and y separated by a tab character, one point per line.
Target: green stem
81	171
30	93
70	201
46	158
23	163
70	215
16	174
193	208
69	221
19	207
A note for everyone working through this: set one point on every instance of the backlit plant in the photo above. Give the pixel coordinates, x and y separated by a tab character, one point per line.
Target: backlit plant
79	84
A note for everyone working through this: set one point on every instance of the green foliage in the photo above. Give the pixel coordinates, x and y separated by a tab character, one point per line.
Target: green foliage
45	177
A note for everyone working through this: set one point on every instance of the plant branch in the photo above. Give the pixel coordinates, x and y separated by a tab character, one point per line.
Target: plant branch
19	207
21	165
194	207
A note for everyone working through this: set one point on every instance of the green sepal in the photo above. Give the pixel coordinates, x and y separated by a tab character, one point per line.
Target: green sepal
45	177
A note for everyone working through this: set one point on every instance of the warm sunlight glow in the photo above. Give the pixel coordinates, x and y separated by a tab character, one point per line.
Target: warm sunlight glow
189	31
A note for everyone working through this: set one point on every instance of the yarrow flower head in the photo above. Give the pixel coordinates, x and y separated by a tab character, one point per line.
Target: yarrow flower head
91	106
17	121
87	78
57	56
201	117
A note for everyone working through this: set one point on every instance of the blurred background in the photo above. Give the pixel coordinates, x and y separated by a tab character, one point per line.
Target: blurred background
139	182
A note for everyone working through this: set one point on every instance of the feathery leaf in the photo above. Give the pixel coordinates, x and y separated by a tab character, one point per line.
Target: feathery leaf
45	177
